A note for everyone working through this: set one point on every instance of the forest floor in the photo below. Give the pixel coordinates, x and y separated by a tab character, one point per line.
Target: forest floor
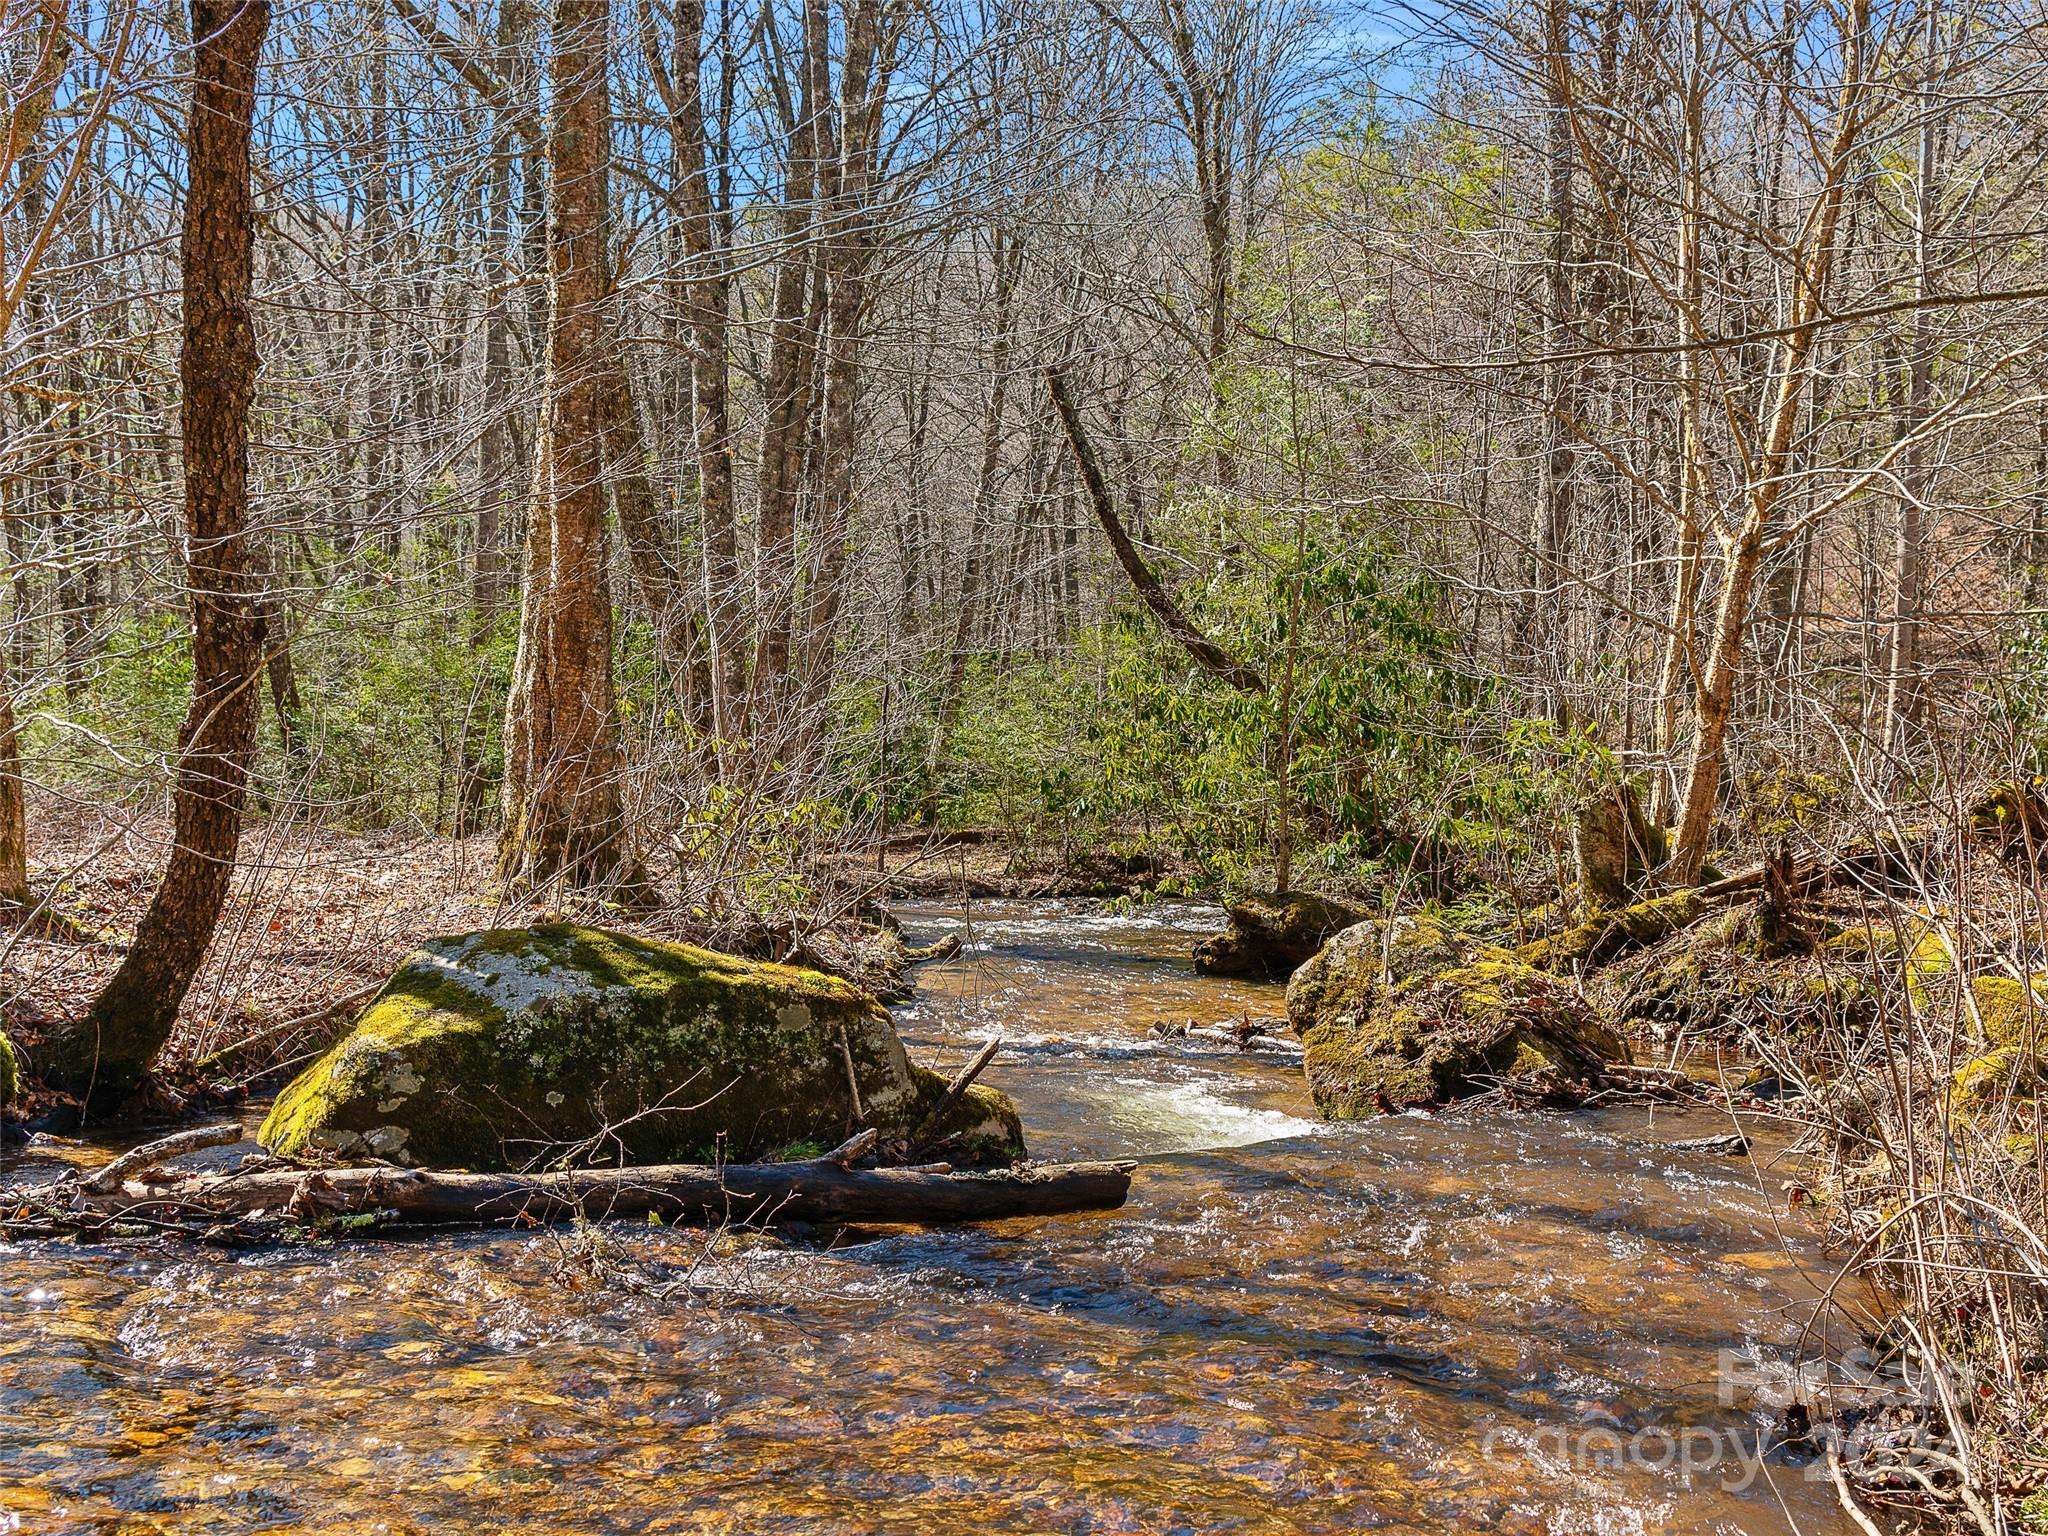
319	918
316	921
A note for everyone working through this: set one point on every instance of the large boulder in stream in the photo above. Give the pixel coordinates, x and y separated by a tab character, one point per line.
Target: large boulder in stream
526	1047
1269	936
1417	1015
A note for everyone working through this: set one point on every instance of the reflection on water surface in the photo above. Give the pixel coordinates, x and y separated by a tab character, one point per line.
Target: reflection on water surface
1401	1326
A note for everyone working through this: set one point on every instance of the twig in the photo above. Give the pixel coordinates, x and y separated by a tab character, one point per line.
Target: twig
154	1154
955	1089
852	1149
1848	1499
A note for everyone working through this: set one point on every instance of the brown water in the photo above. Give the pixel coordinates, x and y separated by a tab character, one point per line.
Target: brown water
1411	1325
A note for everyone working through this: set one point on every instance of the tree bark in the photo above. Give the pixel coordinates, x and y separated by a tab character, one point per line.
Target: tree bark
787	389
708	297
1905	691
848	254
105	1057
563	818
1008	255
1813	263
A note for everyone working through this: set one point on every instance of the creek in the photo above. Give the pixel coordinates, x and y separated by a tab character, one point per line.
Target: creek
1418	1324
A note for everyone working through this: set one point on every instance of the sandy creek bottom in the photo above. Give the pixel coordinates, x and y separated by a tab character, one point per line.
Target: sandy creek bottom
1411	1325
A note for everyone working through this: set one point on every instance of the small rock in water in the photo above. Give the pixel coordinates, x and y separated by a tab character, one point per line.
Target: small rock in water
1734	1144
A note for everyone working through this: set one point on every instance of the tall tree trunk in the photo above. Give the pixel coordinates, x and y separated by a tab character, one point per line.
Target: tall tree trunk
708	297
787	389
1008	256
380	455
106	1056
848	254
13	791
1678	672
1540	638
563	819
1905	692
1812	266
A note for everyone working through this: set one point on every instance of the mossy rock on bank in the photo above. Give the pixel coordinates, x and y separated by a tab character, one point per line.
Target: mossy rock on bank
1724	974
1605	935
2003	1073
1440	1035
1342	980
2012	1012
526	1047
1269	936
10	1072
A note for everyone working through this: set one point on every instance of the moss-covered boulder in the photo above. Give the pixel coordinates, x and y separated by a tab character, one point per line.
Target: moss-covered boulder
2006	1072
1343	979
529	1046
10	1072
2012	1012
1437	1035
1604	936
1269	936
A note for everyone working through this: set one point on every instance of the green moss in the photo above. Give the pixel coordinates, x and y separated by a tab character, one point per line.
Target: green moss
10	1071
2005	1073
1440	1036
522	1046
2010	1010
1269	936
1605	935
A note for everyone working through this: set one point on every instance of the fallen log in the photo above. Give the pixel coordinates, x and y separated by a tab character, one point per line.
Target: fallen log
156	1153
816	1191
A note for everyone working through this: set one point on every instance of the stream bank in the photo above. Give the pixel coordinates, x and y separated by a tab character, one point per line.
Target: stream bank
1412	1324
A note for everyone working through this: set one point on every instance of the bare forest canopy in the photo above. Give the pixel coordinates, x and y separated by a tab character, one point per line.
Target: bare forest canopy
1274	431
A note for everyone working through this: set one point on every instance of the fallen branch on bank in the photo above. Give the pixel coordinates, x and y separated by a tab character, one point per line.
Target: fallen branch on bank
821	1190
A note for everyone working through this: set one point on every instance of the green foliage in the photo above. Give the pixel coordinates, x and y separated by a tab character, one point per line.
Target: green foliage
763	847
392	700
1778	800
2025	697
1392	758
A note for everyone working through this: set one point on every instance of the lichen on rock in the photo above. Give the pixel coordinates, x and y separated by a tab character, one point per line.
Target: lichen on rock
525	1047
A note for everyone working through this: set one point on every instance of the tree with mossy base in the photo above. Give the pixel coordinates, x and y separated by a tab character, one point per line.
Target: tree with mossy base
105	1056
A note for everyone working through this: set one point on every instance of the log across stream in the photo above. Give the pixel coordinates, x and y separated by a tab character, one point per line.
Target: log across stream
821	1190
1524	1324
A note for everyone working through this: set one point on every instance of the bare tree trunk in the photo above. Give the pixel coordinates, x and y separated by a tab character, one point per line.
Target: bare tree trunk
380	430
563	819
847	255
1008	260
13	793
1812	266
709	296
106	1056
1678	672
787	390
1563	418
1905	692
497	451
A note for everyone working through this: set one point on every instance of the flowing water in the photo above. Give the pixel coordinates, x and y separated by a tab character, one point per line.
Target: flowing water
1506	1324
